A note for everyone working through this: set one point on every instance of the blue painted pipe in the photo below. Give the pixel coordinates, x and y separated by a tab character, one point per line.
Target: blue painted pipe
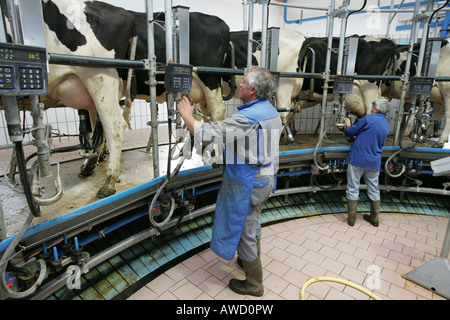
445	24
409	4
113	227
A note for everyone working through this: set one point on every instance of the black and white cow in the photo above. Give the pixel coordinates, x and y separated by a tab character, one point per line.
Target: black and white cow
290	43
440	93
373	58
95	29
208	45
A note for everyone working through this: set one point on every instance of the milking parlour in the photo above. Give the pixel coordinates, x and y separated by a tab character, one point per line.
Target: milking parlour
111	190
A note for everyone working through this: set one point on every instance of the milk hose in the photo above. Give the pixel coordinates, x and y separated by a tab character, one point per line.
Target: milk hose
355	286
161	188
4	261
319	143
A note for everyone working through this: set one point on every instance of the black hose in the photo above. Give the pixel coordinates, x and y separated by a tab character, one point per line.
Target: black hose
23	271
26	181
56	150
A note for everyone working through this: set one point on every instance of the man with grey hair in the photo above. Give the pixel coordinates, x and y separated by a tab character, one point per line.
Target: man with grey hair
250	138
364	159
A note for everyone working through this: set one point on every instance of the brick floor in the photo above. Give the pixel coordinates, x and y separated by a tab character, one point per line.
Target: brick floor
295	251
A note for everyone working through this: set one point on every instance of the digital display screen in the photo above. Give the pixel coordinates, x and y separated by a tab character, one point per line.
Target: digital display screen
14	53
182	70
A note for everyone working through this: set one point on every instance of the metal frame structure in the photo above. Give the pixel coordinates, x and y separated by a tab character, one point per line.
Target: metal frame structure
117	205
434	275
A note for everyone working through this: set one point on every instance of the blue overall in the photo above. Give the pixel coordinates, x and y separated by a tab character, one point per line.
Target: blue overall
233	200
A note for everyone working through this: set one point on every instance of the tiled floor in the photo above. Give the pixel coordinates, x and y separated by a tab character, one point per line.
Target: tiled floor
295	251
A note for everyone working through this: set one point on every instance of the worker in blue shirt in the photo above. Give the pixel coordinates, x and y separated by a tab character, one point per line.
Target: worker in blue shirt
364	159
249	141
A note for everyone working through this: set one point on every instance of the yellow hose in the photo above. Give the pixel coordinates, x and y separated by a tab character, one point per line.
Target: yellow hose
355	286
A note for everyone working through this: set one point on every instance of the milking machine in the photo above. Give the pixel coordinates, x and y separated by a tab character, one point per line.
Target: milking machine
23	73
177	83
343	80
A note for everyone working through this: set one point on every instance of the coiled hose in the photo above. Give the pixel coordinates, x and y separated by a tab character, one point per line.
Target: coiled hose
347	283
4	262
161	188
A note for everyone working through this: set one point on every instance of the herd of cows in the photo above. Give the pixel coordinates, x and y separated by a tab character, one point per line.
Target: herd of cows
98	29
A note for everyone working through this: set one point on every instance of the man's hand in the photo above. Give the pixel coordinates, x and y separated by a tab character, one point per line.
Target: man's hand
348	123
184	108
186	111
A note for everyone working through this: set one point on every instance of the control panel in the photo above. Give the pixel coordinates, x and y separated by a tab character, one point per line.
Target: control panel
421	85
178	78
343	84
23	70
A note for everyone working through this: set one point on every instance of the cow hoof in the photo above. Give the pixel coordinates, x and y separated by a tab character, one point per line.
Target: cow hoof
87	168
284	140
104	192
85	172
438	145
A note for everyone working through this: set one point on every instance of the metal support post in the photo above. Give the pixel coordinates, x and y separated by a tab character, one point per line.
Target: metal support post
435	275
12	118
412	40
341	14
264	61
169	30
152	83
169	52
273	40
423	43
181	32
40	136
250	33
181	47
245	15
326	74
264	39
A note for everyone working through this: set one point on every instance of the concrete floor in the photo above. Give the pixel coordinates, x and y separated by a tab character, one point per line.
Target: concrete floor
293	252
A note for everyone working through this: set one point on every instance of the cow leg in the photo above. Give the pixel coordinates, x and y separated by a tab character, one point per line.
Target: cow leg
284	97
103	86
214	101
90	163
213	98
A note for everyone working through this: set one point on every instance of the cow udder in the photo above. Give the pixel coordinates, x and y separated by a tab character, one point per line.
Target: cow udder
73	93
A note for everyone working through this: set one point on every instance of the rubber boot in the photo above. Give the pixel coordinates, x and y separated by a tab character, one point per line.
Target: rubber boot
258	245
252	285
373	218
351	212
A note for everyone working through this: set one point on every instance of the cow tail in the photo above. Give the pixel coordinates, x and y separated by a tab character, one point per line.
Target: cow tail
129	99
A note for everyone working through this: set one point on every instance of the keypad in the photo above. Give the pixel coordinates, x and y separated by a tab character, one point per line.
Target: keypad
181	83
30	78
23	70
6	77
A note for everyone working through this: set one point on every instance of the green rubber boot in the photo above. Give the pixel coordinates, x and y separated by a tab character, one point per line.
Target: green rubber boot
252	285
351	212
373	218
